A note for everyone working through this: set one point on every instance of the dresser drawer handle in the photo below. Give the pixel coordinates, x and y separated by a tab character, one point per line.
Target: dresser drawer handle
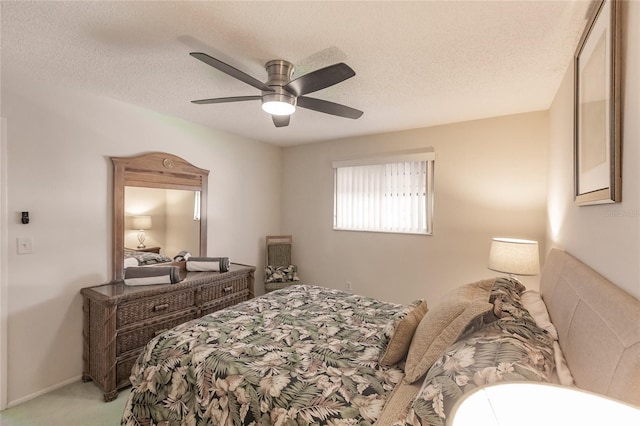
228	289
161	307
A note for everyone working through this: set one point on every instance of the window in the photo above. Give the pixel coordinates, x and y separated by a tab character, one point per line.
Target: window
385	194
196	205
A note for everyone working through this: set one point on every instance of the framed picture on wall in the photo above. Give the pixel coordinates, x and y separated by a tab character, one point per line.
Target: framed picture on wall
597	155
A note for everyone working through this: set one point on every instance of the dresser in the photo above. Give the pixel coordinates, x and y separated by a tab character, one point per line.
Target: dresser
119	319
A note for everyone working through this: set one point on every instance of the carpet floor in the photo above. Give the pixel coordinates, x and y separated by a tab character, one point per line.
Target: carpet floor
77	404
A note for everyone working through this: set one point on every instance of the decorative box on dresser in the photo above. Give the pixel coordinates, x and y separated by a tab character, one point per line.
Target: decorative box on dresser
119	319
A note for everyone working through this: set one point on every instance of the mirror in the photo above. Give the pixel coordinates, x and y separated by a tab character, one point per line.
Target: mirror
162	192
161	220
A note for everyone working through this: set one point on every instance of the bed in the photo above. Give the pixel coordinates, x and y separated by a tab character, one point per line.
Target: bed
312	355
143	258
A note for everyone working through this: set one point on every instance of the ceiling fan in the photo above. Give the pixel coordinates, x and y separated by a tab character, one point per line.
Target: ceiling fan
280	95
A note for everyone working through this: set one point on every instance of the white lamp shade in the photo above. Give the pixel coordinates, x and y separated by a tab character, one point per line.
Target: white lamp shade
514	256
141	222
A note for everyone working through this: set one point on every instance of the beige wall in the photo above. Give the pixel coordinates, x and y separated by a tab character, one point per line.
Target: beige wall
183	233
59	144
490	180
607	237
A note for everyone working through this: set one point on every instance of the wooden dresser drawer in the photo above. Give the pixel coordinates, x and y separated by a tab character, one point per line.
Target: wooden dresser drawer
225	302
123	370
223	289
154	307
140	335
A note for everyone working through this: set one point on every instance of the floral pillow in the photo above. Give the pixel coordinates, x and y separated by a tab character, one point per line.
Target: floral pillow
505	297
280	274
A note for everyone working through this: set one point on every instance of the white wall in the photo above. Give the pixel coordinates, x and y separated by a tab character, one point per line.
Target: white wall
59	144
490	180
606	237
183	233
4	302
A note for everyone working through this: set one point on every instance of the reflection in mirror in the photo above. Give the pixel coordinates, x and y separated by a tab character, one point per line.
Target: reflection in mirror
172	225
175	188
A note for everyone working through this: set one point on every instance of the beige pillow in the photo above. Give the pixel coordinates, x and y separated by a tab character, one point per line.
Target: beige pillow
442	326
402	334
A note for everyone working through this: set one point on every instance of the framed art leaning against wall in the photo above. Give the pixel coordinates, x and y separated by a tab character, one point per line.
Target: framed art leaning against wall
597	138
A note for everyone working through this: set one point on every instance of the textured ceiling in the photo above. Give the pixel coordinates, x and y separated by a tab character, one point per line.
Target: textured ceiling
417	64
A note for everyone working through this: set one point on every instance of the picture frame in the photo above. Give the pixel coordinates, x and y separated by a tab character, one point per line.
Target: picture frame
597	114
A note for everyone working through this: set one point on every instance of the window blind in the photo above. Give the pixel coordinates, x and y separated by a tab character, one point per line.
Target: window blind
389	194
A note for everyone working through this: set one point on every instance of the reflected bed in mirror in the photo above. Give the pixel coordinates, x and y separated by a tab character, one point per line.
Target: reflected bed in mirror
159	203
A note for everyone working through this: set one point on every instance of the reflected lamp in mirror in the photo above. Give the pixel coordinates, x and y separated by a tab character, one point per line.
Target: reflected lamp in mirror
514	257
141	223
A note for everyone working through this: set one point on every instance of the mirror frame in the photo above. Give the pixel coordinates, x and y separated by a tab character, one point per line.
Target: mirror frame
154	170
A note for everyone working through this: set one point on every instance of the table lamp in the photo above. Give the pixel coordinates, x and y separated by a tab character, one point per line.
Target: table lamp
141	223
514	257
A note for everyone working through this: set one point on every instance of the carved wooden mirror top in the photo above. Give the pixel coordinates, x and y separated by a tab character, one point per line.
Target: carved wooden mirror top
153	170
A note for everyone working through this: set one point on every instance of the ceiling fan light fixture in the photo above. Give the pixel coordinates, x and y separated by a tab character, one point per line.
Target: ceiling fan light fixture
278	104
278	108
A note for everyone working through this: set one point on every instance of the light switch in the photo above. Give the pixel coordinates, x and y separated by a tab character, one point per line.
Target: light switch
25	245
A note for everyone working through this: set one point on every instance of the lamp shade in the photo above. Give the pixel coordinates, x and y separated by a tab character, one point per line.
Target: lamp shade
141	222
514	256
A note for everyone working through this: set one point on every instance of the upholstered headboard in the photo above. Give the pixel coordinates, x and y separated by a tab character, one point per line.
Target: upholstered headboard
598	327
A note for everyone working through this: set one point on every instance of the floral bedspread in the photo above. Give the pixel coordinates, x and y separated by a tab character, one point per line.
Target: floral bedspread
504	346
299	356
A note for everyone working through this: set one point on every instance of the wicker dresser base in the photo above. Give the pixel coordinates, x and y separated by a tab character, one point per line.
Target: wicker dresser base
119	320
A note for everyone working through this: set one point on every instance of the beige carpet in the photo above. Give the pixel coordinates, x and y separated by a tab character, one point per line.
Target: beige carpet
77	404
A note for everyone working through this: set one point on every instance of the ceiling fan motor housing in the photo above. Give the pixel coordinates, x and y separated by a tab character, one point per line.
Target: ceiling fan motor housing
280	72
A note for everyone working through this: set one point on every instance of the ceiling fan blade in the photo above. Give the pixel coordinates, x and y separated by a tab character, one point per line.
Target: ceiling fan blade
281	120
320	79
233	72
329	107
223	100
